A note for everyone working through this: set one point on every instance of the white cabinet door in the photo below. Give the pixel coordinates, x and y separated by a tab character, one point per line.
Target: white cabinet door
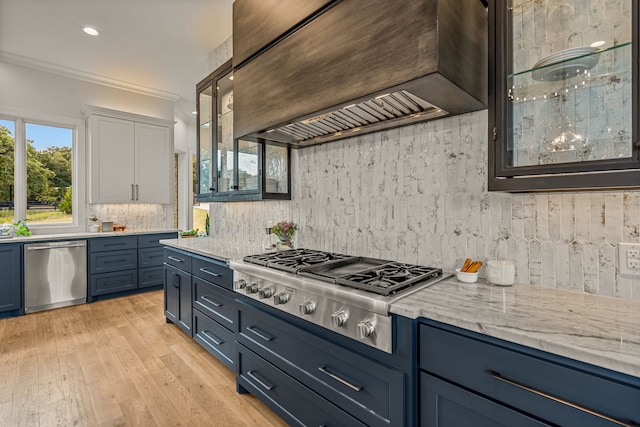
153	154
112	160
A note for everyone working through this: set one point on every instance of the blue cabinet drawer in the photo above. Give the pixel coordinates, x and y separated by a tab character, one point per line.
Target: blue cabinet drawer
213	271
177	259
150	276
150	257
151	240
216	339
101	244
368	390
104	262
549	387
292	401
443	404
108	283
215	302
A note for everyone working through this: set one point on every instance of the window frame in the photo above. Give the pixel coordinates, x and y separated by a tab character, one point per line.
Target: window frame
78	173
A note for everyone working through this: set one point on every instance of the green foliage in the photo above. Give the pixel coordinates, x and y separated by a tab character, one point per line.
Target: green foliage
67	202
21	228
49	171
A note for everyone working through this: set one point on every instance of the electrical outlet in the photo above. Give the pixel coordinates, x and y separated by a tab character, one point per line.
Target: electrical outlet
629	259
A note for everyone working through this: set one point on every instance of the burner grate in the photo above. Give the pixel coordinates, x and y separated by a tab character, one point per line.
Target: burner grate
389	278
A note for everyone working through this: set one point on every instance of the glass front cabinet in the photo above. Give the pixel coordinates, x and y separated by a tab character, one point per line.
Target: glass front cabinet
234	169
563	108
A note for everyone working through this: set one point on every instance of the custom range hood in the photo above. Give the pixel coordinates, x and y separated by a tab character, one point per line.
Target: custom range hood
361	66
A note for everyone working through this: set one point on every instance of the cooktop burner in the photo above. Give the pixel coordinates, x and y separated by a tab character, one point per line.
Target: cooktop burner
389	278
372	275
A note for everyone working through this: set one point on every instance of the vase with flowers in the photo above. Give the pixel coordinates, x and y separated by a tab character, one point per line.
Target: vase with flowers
285	231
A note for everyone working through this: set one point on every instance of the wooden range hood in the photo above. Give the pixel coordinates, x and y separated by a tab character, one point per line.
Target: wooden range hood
360	66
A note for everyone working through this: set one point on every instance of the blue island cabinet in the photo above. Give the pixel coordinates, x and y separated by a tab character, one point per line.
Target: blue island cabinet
10	285
469	379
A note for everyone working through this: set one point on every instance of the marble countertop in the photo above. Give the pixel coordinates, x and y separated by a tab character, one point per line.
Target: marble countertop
221	249
85	235
603	331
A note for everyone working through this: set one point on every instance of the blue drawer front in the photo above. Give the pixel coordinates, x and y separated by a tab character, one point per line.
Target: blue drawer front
102	244
150	276
150	257
151	240
104	262
108	283
215	339
213	271
177	259
215	302
295	403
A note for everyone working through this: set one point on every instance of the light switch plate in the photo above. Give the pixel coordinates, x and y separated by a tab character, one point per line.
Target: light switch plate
629	259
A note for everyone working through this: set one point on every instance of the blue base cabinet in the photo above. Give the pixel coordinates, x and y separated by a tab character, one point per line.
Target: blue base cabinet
11	283
355	389
472	379
125	264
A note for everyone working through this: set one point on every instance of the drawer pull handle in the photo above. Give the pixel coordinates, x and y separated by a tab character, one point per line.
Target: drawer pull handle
266	386
115	244
175	259
497	376
211	301
204	270
115	261
259	333
213	338
324	370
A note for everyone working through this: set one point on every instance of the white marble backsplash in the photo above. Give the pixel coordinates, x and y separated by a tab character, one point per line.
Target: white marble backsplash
133	216
419	194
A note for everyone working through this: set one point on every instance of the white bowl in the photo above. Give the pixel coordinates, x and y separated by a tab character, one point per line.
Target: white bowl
466	277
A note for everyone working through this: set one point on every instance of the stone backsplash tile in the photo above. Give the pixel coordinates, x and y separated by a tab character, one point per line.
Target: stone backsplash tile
419	194
132	215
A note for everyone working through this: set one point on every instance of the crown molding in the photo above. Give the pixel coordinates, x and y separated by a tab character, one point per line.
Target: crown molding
36	64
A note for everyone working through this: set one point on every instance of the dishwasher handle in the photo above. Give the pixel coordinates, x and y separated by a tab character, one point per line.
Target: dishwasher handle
36	247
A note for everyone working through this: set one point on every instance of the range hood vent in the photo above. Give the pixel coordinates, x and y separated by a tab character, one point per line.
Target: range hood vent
397	108
360	66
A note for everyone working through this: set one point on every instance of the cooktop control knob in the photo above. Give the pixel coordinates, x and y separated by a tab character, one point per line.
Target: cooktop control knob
307	307
365	329
281	298
252	288
242	284
339	318
265	292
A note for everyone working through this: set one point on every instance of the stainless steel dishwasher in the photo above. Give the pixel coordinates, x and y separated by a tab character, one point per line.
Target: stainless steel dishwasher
55	274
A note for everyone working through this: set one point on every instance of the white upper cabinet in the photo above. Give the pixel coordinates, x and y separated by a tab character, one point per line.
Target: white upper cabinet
130	160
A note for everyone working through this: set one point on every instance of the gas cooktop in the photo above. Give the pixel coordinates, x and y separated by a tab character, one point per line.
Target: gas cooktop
378	276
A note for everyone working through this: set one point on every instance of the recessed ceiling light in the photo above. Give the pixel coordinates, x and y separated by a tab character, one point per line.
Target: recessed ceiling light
91	31
598	43
194	112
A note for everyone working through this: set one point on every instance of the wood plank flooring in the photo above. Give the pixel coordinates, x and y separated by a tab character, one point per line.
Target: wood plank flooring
115	363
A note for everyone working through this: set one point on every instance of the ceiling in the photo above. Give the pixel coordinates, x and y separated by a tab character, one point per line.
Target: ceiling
158	47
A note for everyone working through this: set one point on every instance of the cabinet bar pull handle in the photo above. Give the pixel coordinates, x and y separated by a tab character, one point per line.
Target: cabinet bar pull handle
137	192
212	337
211	301
204	270
175	259
115	244
114	261
266	386
340	380
262	335
497	376
133	194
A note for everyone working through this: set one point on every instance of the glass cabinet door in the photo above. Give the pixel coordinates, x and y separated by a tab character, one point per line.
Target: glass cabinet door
225	164
248	165
205	141
564	94
276	166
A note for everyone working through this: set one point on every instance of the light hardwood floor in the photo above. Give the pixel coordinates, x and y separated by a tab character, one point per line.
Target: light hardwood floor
115	363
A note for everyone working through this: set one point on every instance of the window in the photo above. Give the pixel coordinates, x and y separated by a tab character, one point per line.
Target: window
37	172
